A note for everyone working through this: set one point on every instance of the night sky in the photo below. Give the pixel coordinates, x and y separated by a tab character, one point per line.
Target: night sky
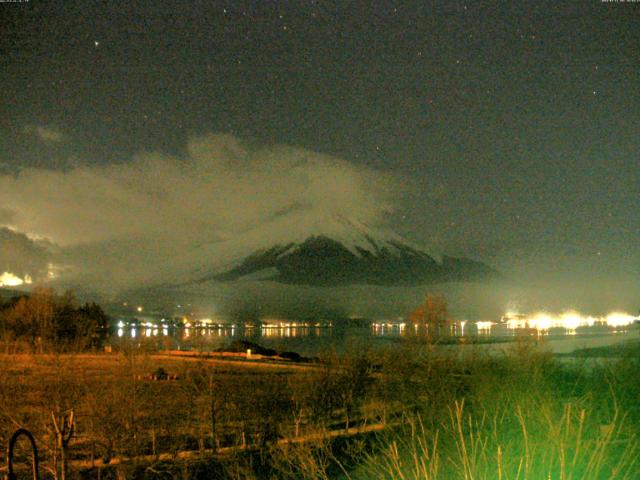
513	130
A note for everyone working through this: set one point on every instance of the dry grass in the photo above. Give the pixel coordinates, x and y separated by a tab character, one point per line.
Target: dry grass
471	416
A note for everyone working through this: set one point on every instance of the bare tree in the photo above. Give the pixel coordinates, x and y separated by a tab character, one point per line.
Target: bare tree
63	426
431	319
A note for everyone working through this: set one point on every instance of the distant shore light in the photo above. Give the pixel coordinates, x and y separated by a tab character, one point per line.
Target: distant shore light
8	279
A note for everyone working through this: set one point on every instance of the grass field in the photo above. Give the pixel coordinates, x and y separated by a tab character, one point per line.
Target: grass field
429	413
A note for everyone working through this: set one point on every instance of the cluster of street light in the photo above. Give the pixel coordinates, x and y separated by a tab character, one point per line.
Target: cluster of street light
540	322
569	321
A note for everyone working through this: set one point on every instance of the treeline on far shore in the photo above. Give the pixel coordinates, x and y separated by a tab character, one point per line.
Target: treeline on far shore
45	321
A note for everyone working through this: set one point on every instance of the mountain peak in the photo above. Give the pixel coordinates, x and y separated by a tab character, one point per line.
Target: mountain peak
326	248
324	261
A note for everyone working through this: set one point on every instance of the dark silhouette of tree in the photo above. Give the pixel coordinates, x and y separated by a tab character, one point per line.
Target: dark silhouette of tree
46	319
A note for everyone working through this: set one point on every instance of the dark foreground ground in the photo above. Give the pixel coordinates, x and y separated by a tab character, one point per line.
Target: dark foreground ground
414	411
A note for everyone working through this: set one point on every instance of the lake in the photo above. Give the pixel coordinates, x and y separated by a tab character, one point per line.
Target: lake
313	340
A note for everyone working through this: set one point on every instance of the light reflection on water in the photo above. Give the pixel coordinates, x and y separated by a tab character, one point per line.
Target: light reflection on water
538	324
542	323
313	339
218	335
244	331
304	339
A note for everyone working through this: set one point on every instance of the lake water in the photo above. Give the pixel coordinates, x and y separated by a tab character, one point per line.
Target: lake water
312	340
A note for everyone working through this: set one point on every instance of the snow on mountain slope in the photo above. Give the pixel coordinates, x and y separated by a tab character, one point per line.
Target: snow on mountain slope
325	249
291	228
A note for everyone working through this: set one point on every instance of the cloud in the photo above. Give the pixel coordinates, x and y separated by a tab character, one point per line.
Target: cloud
146	212
6	216
22	255
46	134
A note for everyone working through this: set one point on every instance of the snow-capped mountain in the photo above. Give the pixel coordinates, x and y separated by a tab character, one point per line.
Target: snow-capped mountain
332	250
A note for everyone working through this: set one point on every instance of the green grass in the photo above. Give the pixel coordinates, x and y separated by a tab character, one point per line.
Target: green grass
521	416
